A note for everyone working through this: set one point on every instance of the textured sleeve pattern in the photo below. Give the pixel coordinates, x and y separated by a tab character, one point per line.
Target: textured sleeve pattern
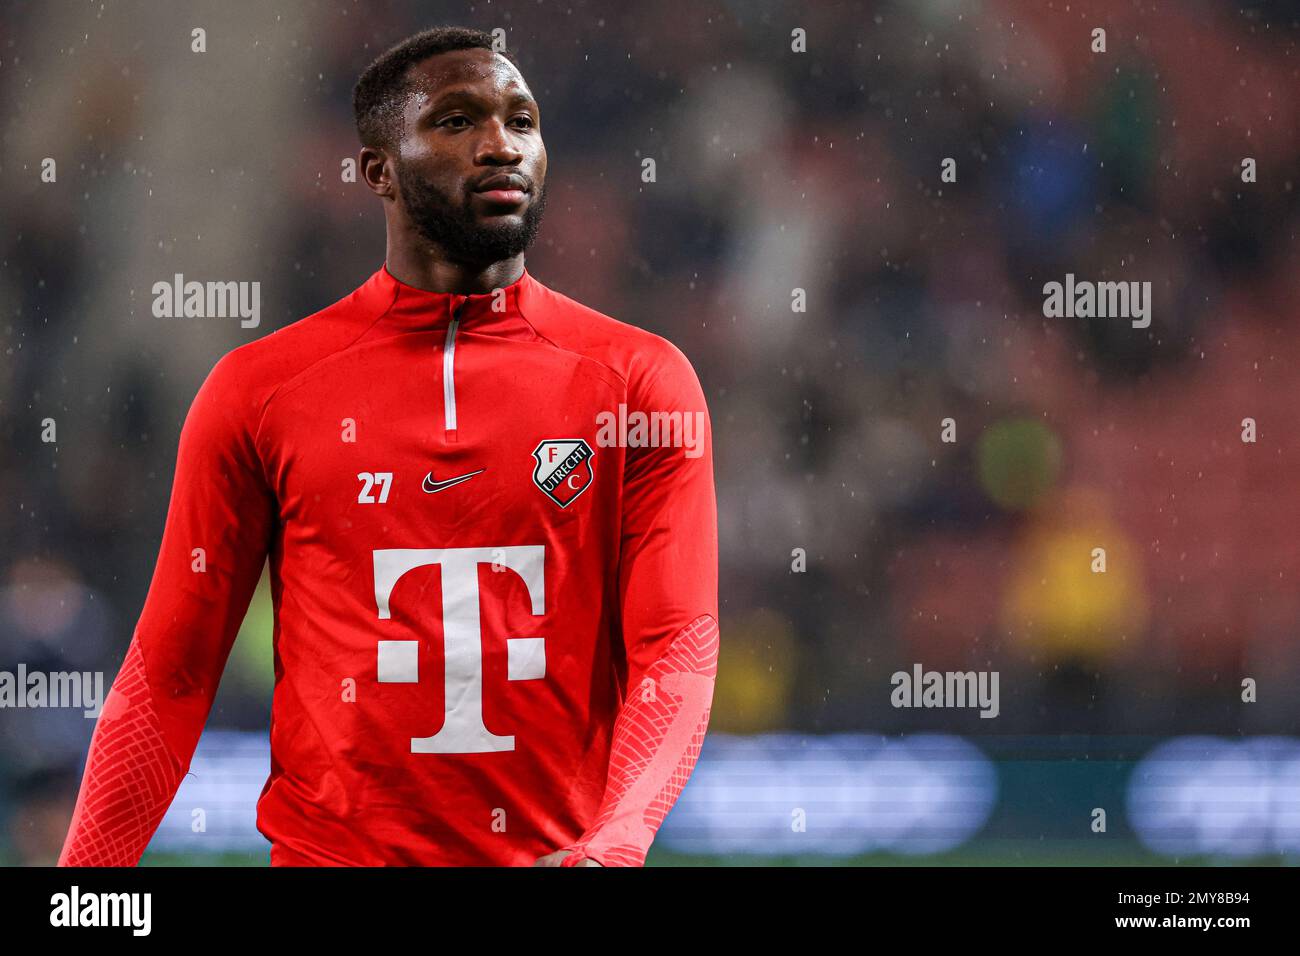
214	545
130	776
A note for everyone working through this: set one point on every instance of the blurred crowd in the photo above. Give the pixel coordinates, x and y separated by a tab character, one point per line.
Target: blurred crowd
914	465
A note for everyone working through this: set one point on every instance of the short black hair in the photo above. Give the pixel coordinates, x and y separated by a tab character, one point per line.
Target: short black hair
383	85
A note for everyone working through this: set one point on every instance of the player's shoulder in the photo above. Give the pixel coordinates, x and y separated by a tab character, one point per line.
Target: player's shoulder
257	369
637	355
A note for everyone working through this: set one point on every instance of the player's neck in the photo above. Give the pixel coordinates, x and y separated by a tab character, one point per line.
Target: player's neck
416	267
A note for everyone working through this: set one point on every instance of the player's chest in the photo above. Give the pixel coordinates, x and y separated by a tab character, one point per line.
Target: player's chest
434	450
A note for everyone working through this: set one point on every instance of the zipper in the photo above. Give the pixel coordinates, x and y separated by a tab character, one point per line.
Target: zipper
449	375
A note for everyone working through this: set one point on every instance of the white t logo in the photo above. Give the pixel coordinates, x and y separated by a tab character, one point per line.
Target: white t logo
463	730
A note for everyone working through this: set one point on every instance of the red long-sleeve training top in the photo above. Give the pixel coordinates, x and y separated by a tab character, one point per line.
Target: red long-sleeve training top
492	536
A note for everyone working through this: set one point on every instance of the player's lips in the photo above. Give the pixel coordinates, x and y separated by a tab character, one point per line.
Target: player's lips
503	189
506	197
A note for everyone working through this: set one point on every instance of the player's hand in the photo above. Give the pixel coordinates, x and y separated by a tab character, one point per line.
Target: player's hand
554	859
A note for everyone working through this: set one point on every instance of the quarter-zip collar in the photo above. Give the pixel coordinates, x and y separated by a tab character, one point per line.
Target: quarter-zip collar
500	312
450	320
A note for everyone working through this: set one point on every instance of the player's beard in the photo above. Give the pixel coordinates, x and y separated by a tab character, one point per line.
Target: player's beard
452	226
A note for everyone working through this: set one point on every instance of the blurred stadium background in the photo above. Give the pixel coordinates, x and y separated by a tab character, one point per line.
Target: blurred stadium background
776	170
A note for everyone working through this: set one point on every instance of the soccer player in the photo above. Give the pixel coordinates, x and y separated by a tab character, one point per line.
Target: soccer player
495	627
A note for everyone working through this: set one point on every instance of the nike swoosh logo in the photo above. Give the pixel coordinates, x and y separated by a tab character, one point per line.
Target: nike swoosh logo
431	486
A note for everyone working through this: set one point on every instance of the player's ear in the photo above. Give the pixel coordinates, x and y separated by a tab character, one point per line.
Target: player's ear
376	171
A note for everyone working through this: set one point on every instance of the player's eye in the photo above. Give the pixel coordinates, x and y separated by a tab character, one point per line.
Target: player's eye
522	121
455	122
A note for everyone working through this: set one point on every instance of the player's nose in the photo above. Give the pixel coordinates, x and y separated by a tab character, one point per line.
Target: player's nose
496	147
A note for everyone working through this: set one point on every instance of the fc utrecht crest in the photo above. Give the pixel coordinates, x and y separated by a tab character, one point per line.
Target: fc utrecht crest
563	469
